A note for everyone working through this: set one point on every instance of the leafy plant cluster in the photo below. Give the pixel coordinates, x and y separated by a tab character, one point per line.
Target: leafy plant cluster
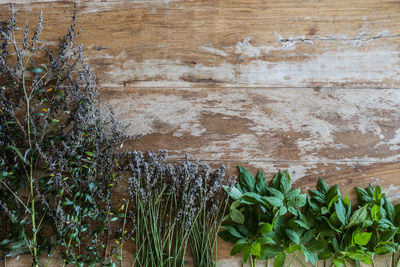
58	164
270	221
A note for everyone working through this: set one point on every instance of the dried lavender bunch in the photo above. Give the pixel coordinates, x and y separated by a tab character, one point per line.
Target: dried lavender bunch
212	203
169	199
56	143
148	195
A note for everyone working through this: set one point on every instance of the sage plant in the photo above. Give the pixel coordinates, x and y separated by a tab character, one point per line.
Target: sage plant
58	167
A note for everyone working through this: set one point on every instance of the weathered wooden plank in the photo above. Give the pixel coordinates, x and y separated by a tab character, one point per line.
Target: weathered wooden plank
349	137
233	43
322	126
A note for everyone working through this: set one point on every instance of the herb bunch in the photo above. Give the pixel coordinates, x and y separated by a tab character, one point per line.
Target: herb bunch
56	143
270	221
212	203
170	203
263	220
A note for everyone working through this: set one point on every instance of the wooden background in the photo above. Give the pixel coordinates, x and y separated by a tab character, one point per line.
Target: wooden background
310	85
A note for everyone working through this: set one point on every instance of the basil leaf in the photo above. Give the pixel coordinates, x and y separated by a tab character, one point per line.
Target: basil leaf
362	238
246	179
358	217
261	183
340	211
236	216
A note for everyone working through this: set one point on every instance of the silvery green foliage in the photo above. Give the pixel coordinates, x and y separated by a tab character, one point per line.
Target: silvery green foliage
54	133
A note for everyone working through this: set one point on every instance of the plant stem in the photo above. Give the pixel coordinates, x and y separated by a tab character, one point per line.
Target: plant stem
254	261
52	255
15	195
28	122
66	251
123	232
294	257
391	259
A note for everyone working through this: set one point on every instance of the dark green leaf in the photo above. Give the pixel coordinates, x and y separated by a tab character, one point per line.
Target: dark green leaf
261	183
246	252
332	192
236	216
286	182
389	208
340	211
227	236
300	200
270	251
293	236
283	210
246	179
265	228
322	186
274	201
276	181
384	249
232	230
302	224
317	196
252	197
276	193
316	245
239	246
358	217
388	234
307	236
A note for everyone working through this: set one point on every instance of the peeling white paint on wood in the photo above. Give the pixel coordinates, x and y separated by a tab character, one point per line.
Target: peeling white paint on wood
209	48
362	39
392	192
245	48
350	66
314	122
96	6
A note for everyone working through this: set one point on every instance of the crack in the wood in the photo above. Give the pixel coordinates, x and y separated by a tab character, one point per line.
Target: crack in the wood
290	42
298	161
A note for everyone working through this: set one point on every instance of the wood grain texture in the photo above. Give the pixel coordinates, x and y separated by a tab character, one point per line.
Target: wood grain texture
233	43
312	86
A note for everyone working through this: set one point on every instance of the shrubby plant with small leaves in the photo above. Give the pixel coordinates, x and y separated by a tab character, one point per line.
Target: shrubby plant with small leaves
57	158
